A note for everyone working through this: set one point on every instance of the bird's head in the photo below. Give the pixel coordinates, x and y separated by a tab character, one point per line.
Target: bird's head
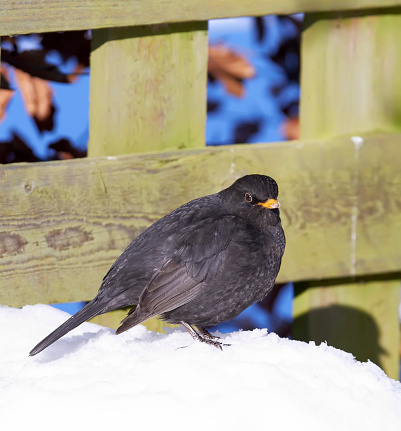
253	198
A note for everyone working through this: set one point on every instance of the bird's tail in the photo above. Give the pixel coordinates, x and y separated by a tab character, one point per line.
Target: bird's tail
90	310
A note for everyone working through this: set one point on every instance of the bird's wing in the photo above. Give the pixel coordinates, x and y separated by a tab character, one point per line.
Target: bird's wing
171	287
198	257
142	260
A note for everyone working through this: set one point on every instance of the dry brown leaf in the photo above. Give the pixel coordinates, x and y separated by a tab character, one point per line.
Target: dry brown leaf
230	68
233	86
72	77
44	95
223	59
63	155
36	94
290	128
25	83
5	95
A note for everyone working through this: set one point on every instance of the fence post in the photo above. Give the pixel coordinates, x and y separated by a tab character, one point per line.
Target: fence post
351	86
148	93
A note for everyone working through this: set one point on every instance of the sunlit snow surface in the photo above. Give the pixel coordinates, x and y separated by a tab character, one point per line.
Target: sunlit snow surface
92	379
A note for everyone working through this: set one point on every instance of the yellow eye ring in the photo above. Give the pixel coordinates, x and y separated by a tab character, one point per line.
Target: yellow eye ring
248	197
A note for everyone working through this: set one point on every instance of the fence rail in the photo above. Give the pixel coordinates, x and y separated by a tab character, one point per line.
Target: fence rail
37	16
56	233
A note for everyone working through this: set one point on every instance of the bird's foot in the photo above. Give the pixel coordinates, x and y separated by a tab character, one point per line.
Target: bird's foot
206	334
204	338
214	343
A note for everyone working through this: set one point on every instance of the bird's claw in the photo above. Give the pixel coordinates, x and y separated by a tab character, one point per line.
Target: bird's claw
214	343
206	334
204	337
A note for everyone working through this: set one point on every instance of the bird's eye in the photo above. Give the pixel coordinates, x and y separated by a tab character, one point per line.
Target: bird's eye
248	197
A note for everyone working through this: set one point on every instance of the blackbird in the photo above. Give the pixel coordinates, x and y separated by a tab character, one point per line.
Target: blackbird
200	265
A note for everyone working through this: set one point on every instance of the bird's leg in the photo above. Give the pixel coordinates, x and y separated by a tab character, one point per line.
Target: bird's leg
206	334
198	337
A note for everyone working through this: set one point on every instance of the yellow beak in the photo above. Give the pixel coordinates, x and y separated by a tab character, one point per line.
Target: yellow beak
270	203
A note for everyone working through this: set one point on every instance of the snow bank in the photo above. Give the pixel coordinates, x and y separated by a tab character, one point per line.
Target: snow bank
92	378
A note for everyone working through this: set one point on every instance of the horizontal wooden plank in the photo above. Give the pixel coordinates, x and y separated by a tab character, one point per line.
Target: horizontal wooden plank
34	16
63	223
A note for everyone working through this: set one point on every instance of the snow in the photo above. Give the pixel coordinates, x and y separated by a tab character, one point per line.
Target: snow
93	378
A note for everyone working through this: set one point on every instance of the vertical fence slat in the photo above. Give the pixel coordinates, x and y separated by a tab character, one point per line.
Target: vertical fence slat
148	93
148	88
361	318
350	81
350	85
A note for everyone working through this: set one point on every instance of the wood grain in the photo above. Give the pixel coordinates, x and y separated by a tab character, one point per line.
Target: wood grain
350	85
356	317
154	81
36	16
63	223
148	88
350	81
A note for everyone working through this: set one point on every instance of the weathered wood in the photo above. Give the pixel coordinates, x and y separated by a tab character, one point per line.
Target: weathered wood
350	86
349	316
63	223
352	63
148	88
114	318
35	16
154	81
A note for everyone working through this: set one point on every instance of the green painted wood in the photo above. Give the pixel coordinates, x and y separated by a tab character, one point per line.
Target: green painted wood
62	224
351	63
148	88
114	318
350	86
154	81
36	16
350	316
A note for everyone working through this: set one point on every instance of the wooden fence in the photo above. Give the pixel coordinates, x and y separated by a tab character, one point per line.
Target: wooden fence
63	223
